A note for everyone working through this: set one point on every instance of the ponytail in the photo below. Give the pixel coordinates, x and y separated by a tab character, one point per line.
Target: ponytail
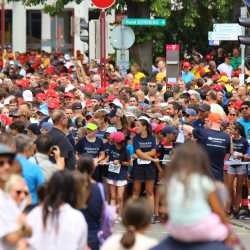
128	238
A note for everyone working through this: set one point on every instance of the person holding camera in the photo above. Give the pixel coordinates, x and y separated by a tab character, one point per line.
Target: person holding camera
47	156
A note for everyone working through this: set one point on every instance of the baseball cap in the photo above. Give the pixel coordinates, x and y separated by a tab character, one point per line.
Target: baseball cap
144	118
54	104
27	95
69	95
5	150
118	137
186	65
169	130
111	130
40	97
91	126
204	107
35	128
158	128
76	106
47	125
215	117
190	112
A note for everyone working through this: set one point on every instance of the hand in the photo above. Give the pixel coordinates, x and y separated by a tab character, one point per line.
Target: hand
55	150
116	162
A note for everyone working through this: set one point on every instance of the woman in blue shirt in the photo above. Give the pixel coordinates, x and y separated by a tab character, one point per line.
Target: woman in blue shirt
119	161
144	169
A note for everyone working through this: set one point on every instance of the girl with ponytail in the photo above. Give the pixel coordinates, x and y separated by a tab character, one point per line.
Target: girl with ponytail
136	218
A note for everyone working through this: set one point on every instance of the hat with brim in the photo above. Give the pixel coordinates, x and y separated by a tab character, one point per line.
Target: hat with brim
118	137
91	126
169	130
6	151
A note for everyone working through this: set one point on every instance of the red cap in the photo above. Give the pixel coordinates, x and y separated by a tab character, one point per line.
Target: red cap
111	98
186	65
237	104
69	95
52	93
89	88
117	137
24	83
54	104
217	87
158	128
41	97
50	70
101	91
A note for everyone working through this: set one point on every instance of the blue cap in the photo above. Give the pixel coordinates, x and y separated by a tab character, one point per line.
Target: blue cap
47	125
169	130
190	112
43	108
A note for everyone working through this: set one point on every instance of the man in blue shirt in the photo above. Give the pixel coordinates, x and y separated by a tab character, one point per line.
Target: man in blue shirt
186	74
31	172
244	120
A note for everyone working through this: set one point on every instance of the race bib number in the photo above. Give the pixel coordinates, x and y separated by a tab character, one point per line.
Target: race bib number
114	168
142	162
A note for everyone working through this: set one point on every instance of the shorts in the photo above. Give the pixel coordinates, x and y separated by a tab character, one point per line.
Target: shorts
117	183
144	172
237	170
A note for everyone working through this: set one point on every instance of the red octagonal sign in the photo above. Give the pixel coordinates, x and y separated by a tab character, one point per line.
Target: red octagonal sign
103	4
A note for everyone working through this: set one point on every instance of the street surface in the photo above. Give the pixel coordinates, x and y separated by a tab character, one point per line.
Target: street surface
157	231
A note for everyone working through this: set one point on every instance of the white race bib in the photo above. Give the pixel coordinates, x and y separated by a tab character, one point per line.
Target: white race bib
114	168
143	162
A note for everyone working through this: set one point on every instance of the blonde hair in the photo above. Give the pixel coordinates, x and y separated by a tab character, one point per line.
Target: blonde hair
12	181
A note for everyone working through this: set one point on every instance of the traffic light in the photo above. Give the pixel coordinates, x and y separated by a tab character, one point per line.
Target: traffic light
244	22
84	33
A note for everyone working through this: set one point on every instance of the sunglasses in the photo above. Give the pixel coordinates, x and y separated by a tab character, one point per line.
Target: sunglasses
152	86
19	192
244	108
232	114
3	162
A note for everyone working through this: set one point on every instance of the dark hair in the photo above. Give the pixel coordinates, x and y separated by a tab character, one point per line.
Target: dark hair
19	126
189	158
238	127
147	125
136	216
246	103
60	189
43	144
86	164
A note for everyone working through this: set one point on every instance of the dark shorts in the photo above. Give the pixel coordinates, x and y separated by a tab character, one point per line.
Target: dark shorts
144	172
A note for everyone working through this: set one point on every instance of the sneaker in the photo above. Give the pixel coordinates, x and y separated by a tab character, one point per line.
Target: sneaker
157	219
153	219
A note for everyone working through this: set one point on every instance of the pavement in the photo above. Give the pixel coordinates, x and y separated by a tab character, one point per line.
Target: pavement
157	231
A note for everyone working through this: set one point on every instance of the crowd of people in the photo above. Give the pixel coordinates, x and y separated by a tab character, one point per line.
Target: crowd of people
78	155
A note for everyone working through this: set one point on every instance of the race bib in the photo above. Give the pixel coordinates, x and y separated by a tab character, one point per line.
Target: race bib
114	168
142	162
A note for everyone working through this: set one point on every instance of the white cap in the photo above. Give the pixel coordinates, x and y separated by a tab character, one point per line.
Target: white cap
145	118
27	95
117	103
66	57
166	118
111	130
69	87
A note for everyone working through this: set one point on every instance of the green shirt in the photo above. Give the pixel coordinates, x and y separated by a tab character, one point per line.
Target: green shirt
235	62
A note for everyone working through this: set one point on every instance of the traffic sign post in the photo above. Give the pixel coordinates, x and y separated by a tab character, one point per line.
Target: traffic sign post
172	62
103	5
144	22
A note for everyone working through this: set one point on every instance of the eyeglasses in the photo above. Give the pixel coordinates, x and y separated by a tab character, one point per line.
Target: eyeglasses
243	108
19	192
3	162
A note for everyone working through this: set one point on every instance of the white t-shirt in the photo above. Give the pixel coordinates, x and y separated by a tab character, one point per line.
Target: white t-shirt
225	68
8	218
70	232
189	204
141	243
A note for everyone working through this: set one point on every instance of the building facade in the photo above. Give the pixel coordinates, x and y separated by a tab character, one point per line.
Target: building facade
29	28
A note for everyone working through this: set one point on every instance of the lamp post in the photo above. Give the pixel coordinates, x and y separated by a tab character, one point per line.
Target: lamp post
2	24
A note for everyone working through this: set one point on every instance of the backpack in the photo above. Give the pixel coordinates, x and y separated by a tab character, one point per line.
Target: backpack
108	217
